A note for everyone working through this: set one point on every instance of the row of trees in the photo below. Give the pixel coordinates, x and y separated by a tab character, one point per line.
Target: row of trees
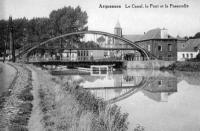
61	21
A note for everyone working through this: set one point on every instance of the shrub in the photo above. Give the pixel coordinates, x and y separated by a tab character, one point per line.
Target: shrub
105	119
111	119
183	66
26	95
17	128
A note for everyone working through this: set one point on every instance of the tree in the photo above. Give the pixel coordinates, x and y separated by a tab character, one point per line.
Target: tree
3	34
39	29
68	19
198	57
197	35
36	30
19	28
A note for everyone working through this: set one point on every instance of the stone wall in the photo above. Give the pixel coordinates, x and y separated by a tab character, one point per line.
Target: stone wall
151	64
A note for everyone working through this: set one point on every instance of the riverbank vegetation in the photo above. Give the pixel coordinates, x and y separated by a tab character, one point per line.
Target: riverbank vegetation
189	65
40	29
67	106
183	66
106	117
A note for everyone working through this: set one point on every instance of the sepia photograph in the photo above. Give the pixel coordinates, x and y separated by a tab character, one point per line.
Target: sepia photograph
99	65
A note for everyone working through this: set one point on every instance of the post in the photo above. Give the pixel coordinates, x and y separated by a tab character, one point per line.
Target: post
4	54
12	45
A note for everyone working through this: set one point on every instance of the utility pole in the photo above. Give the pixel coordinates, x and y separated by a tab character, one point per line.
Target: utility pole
4	53
12	45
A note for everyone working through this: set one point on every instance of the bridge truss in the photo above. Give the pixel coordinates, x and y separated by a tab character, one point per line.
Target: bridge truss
85	46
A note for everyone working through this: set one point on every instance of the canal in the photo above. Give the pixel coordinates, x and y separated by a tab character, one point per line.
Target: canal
158	101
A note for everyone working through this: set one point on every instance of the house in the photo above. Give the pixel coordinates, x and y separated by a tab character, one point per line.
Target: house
188	49
157	41
160	44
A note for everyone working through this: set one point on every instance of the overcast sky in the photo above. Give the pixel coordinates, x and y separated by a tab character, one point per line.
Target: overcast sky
184	21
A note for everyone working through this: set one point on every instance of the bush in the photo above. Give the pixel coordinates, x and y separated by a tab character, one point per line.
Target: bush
3	98
25	109
110	120
183	66
104	116
26	95
23	114
18	128
86	99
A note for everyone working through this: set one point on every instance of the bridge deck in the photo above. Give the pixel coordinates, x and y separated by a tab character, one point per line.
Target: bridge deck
117	87
116	63
64	48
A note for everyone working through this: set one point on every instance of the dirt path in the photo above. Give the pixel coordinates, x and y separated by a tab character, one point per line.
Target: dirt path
36	115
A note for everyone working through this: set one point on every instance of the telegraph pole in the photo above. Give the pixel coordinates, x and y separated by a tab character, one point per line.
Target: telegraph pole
4	52
12	45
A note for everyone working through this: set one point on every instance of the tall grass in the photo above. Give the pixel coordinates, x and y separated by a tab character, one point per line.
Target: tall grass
105	117
70	107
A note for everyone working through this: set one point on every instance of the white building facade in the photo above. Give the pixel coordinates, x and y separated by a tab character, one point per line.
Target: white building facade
184	55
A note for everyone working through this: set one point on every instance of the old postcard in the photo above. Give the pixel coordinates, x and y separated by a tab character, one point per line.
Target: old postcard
99	65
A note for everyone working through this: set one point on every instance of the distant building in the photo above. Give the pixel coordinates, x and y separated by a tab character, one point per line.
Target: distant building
157	41
130	55
69	55
188	49
118	29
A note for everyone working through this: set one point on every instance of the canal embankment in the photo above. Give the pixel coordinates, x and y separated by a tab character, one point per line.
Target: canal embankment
39	101
67	106
183	66
16	106
150	64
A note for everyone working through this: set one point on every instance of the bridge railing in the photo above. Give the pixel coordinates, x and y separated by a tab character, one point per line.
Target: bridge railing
43	59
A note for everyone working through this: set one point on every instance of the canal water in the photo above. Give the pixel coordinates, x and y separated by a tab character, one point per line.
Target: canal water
158	101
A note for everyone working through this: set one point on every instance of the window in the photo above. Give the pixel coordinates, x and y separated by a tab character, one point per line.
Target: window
159	48
191	55
149	47
83	53
183	55
187	55
160	82
169	47
87	53
169	57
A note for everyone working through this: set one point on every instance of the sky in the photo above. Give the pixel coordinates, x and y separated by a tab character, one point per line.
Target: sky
178	21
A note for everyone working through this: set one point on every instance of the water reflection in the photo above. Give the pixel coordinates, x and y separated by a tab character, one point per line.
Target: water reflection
159	101
119	85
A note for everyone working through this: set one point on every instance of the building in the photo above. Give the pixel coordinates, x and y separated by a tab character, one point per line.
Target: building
157	41
69	55
162	49
188	50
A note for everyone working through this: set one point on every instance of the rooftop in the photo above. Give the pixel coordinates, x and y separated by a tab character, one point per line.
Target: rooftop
151	34
118	25
192	45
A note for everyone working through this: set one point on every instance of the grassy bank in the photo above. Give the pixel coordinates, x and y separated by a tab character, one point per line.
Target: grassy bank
67	106
17	106
105	117
183	66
